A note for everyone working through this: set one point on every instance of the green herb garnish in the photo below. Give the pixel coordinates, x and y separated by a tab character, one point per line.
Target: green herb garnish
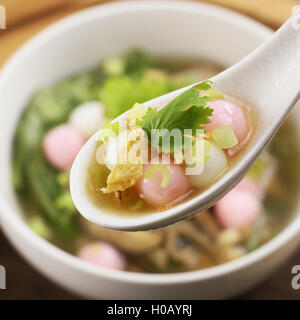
187	111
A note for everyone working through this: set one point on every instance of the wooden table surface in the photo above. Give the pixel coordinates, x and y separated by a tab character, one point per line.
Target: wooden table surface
23	282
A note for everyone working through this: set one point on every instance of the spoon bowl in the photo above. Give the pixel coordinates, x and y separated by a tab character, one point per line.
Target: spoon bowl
268	79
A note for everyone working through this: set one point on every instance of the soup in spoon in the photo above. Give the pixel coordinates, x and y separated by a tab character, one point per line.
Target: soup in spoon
155	158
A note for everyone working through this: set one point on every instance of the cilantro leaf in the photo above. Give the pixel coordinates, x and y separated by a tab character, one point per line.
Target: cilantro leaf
187	111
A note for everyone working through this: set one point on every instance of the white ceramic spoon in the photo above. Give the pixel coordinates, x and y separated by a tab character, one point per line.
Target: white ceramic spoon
268	79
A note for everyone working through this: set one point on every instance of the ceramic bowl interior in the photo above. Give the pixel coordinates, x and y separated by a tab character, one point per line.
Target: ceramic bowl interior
80	42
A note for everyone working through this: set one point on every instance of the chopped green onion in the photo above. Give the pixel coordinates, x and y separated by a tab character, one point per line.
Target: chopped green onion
165	170
253	240
63	179
65	202
257	169
192	156
224	137
204	86
213	94
207	146
114	67
138	205
137	112
38	225
109	130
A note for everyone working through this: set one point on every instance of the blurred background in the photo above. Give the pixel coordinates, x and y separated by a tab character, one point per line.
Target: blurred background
23	22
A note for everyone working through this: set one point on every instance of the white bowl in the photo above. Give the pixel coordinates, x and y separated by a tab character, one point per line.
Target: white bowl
80	42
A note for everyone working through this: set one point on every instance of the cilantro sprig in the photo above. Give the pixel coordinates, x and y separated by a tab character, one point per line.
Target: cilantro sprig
187	111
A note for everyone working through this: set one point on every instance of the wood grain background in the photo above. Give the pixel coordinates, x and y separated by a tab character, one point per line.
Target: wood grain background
27	17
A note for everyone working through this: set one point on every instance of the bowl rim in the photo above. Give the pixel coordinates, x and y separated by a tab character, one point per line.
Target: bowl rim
15	221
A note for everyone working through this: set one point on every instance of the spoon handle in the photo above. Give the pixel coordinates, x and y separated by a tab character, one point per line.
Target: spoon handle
269	78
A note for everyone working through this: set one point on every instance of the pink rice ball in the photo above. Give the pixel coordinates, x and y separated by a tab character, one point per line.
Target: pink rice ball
61	146
152	192
249	185
238	209
228	113
102	254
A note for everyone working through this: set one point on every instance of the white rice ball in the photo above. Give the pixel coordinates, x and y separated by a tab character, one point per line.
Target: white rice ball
216	164
88	117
